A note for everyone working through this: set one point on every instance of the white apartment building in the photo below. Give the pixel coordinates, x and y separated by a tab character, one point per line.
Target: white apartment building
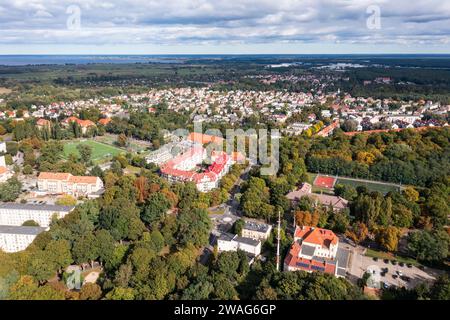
229	242
15	214
256	230
17	238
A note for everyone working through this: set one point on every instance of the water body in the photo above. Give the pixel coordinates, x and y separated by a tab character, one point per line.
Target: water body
23	60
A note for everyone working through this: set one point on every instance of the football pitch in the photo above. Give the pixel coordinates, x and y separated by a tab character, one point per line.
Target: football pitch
99	150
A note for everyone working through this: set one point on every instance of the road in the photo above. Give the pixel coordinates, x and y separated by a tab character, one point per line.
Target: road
223	222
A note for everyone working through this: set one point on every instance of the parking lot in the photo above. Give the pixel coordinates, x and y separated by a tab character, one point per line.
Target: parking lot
407	276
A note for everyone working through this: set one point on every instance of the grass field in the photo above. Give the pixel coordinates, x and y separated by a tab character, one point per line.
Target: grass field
99	150
372	186
384	255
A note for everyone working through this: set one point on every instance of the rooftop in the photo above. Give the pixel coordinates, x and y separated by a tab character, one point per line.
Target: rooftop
35	207
21	230
256	226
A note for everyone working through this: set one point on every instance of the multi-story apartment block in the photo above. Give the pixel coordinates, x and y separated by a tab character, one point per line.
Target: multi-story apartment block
256	230
15	214
17	238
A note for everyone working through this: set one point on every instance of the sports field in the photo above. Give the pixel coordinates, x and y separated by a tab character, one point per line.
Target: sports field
381	187
99	150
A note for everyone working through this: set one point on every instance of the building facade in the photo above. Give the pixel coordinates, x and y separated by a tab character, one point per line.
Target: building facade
15	214
256	230
229	242
17	238
65	183
314	249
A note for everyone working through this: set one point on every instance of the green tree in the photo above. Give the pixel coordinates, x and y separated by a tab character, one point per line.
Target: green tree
85	152
194	227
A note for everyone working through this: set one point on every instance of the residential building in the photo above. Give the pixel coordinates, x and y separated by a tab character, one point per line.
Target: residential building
5	173
65	183
183	168
230	242
17	238
43	124
338	203
2	147
256	230
314	249
15	214
84	124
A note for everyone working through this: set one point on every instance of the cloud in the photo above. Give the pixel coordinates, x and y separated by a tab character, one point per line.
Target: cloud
196	22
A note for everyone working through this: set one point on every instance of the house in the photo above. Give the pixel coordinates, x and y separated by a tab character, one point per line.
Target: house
338	203
18	238
256	230
5	174
328	131
15	214
314	249
3	147
204	138
43	124
230	242
65	183
84	124
104	121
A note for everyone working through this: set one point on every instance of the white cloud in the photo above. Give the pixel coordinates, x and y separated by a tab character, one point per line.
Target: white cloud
192	22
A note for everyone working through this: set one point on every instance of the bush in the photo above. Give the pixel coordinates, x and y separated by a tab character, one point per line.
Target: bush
27	170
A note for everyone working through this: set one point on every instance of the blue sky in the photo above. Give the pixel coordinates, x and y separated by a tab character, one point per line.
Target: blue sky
219	26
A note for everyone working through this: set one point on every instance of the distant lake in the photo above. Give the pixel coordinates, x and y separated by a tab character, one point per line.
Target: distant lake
23	60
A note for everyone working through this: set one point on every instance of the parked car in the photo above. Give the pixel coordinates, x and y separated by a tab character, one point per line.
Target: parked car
401	264
394	276
400	273
409	265
386	260
375	259
394	262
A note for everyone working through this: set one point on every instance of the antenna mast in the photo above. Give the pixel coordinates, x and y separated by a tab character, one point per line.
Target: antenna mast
278	242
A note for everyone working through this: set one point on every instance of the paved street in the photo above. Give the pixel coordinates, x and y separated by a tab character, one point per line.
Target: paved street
360	263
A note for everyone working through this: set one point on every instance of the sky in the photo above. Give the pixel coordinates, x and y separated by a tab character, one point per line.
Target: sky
224	26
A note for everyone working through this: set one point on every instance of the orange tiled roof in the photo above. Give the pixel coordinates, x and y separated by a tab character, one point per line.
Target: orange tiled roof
83	179
3	170
105	121
318	236
54	176
204	138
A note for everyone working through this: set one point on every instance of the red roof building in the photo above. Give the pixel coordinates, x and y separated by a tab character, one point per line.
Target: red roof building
314	249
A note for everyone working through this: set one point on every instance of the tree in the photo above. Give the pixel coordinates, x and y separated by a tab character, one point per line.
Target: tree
30	223
388	237
120	293
441	288
66	200
27	170
41	268
429	246
155	208
10	190
358	233
194	227
90	291
86	249
85	152
106	246
122	140
58	254
142	187
238	226
349	125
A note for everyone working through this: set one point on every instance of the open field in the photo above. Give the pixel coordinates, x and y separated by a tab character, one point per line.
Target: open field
372	186
381	187
99	150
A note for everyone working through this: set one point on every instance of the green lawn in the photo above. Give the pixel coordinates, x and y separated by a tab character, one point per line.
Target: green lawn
385	255
99	150
372	186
